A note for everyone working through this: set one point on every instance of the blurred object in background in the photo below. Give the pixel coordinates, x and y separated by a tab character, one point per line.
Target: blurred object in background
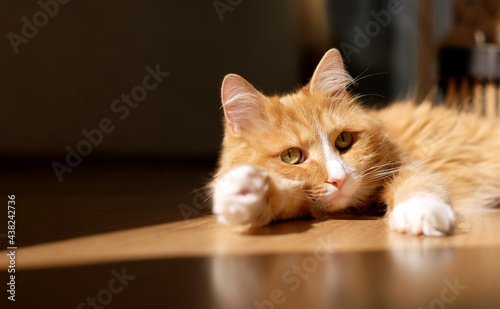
469	57
378	40
315	35
474	23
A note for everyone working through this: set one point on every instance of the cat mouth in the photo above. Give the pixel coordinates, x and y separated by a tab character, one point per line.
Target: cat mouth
328	197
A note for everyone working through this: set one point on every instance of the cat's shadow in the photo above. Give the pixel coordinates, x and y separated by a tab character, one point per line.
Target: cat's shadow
283	227
298	225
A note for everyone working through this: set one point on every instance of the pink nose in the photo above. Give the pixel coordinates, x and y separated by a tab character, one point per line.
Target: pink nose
337	182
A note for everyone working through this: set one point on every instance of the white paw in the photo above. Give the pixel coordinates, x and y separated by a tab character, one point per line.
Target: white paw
425	215
240	195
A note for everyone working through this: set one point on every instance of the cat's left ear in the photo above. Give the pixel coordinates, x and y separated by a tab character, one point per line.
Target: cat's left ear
330	77
242	103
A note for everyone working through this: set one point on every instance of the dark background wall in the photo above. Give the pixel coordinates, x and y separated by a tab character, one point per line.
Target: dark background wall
64	78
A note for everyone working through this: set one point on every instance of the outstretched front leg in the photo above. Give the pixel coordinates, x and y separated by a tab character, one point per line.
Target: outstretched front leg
419	202
249	194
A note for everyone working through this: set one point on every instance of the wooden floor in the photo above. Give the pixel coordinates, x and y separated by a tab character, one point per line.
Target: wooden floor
154	222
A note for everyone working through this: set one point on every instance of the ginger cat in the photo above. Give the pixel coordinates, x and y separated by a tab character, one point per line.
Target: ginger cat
317	153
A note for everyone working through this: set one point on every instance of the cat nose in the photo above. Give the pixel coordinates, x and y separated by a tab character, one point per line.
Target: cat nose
337	181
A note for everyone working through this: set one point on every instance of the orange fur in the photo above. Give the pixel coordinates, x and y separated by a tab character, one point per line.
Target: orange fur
398	152
459	147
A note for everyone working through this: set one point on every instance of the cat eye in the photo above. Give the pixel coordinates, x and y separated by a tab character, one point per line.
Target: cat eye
292	156
344	141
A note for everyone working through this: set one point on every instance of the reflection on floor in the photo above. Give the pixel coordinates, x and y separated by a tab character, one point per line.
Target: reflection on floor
133	236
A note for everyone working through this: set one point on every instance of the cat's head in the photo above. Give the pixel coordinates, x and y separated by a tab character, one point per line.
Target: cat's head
318	136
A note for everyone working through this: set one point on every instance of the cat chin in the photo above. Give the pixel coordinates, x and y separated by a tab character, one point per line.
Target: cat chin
334	200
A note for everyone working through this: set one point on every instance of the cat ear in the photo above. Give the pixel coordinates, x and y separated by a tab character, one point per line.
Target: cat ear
330	77
242	103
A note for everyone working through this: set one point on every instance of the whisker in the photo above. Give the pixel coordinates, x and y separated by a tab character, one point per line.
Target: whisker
194	192
353	81
373	94
369	75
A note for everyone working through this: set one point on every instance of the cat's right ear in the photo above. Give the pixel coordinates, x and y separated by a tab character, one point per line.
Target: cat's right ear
330	77
242	103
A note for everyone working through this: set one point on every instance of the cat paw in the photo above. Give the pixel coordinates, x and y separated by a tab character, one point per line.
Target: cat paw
240	195
423	215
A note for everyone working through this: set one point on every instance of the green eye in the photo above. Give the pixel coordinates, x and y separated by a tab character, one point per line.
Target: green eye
292	156
343	141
